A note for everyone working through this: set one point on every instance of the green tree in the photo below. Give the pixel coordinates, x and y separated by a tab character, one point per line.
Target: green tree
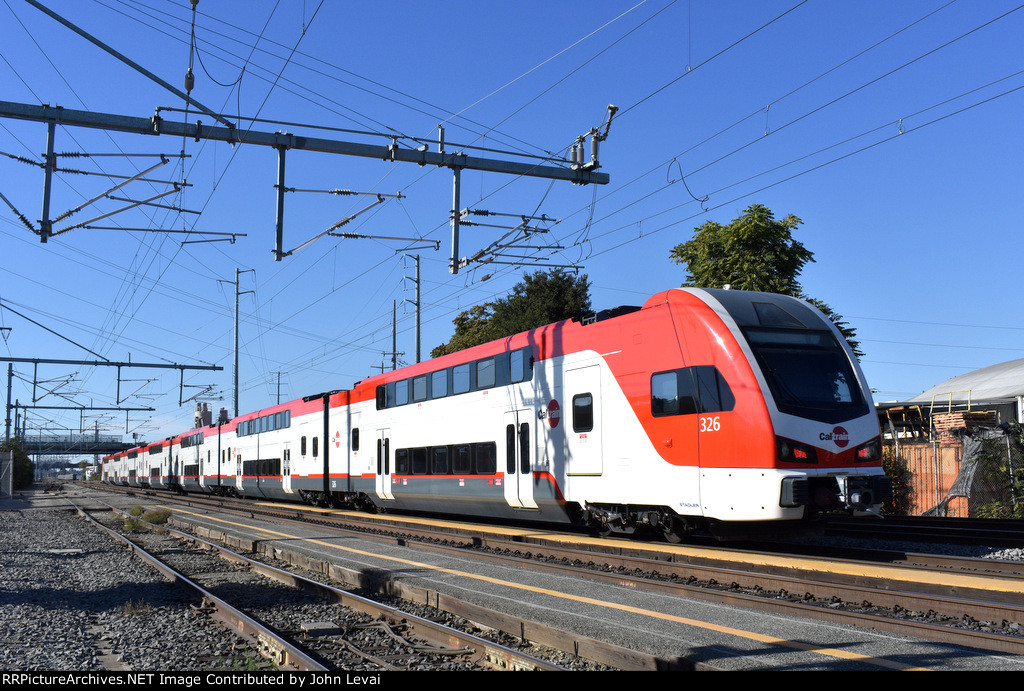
754	252
540	298
23	470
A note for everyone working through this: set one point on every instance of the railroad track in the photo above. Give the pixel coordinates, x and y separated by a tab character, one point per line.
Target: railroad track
960	531
297	623
980	619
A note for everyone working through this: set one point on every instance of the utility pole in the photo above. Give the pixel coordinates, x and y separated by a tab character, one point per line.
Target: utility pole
238	293
416	303
10	377
394	339
418	309
238	272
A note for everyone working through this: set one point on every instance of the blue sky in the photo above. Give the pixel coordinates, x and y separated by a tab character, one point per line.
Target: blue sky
891	129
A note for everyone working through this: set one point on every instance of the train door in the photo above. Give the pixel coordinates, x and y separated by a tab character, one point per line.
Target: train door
344	462
582	419
352	463
383	474
519	448
286	469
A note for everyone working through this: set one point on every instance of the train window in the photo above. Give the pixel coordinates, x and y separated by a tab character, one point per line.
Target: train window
419	462
302	446
486	458
769	314
402	392
715	394
419	388
462	460
460	378
809	374
439	384
385	396
673	393
355	439
316	441
520	365
582	412
524	447
439	460
502	374
402	461
510	449
485	373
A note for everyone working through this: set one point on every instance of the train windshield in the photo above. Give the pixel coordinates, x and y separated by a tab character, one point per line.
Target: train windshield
808	373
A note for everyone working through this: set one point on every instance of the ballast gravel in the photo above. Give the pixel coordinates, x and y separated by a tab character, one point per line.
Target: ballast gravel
73	599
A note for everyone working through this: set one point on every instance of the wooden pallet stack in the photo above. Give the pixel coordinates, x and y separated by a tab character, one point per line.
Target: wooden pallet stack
945	425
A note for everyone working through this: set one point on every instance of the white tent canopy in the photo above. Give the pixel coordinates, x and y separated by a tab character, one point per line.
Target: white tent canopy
1004	381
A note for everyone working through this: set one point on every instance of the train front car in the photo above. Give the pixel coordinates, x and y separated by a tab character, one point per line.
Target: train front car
818	449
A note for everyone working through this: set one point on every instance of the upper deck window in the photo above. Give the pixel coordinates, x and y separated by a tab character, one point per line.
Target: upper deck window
460	378
402	392
419	388
503	369
439	384
485	373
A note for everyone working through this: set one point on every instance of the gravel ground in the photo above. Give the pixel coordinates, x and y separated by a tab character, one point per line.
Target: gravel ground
970	551
71	599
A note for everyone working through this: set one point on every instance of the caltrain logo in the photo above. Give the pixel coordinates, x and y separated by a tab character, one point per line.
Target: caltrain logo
554	413
839	435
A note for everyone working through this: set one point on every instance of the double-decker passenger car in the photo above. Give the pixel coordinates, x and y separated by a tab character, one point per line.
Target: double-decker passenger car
711	409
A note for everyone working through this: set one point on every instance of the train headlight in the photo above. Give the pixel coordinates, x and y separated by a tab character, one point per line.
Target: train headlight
870	451
791	451
795	492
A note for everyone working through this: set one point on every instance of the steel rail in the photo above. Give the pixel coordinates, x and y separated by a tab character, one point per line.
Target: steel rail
287	654
598	651
480	650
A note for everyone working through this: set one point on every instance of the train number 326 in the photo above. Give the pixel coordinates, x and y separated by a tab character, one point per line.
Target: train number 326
710	424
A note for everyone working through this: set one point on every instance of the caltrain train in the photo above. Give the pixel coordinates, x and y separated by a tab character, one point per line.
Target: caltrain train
711	410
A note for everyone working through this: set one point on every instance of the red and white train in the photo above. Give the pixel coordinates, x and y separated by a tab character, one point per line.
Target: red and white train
702	409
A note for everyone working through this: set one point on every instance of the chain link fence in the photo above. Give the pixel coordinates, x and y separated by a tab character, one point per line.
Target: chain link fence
979	475
6	474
